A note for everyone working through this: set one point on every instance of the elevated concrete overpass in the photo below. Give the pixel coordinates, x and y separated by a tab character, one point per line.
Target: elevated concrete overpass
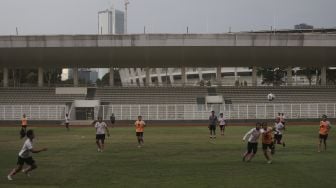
168	50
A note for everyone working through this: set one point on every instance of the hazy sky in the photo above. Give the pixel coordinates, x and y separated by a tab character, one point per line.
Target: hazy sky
164	16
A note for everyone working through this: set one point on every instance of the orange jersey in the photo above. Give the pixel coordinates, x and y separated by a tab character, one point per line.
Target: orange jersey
139	126
324	127
24	122
267	136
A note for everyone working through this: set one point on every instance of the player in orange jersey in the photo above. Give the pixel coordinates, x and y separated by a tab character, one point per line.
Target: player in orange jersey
323	132
267	142
139	129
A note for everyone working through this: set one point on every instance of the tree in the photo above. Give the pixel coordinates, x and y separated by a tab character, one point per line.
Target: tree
331	76
272	75
53	76
309	72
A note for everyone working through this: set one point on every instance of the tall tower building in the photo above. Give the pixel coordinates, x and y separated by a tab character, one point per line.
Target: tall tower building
111	21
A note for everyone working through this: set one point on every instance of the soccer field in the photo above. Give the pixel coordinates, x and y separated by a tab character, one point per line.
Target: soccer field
171	157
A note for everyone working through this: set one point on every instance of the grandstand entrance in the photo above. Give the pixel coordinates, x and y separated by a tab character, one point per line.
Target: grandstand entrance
214	102
85	113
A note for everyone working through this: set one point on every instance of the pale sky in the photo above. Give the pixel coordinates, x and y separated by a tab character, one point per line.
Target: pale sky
164	16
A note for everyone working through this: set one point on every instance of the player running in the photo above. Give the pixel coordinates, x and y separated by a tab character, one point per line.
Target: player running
139	130
267	142
252	144
212	124
279	128
25	156
323	132
222	123
101	128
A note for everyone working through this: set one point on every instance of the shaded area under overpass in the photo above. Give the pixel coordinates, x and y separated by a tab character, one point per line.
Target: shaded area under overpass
169	56
169	50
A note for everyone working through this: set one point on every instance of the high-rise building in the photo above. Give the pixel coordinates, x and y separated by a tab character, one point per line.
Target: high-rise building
111	21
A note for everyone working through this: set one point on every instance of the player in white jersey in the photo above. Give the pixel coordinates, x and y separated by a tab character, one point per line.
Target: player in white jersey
101	128
278	132
222	123
252	145
67	121
25	156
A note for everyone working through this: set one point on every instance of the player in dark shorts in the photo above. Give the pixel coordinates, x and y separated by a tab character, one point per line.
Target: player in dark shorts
25	156
252	145
101	128
212	124
323	132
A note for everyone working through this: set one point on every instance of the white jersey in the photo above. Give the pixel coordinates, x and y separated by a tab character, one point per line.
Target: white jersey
100	127
254	135
67	119
221	120
279	127
25	151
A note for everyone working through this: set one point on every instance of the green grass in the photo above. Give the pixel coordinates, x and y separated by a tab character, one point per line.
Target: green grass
172	157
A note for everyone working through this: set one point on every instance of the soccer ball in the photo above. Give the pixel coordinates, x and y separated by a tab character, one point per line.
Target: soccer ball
270	97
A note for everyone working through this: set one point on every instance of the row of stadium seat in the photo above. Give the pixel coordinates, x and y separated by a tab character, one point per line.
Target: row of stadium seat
172	95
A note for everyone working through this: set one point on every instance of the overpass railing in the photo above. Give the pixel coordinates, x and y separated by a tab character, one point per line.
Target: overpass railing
230	111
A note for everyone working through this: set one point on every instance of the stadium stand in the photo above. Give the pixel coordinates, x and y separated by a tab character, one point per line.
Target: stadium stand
35	95
170	95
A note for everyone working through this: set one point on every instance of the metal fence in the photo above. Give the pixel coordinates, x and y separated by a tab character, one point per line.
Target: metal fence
175	111
33	112
202	112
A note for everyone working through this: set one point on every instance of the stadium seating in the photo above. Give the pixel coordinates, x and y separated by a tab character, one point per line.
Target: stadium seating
171	95
35	95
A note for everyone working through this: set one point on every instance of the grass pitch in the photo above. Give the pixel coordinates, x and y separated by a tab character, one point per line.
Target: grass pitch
172	157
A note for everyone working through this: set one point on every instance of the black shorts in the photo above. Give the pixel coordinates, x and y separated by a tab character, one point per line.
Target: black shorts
139	133
267	146
323	137
100	137
67	124
222	127
212	127
252	147
278	138
29	161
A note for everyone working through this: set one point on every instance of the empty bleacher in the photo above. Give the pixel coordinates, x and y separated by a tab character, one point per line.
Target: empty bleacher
171	95
35	95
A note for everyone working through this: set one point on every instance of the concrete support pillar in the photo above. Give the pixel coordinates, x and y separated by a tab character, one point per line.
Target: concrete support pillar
324	75
200	74
111	76
5	77
219	73
254	76
131	75
140	76
158	72
183	75
148	78
289	76
171	76
75	76
40	77
235	74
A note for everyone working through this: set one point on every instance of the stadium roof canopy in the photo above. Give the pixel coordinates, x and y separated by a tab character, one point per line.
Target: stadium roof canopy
169	50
